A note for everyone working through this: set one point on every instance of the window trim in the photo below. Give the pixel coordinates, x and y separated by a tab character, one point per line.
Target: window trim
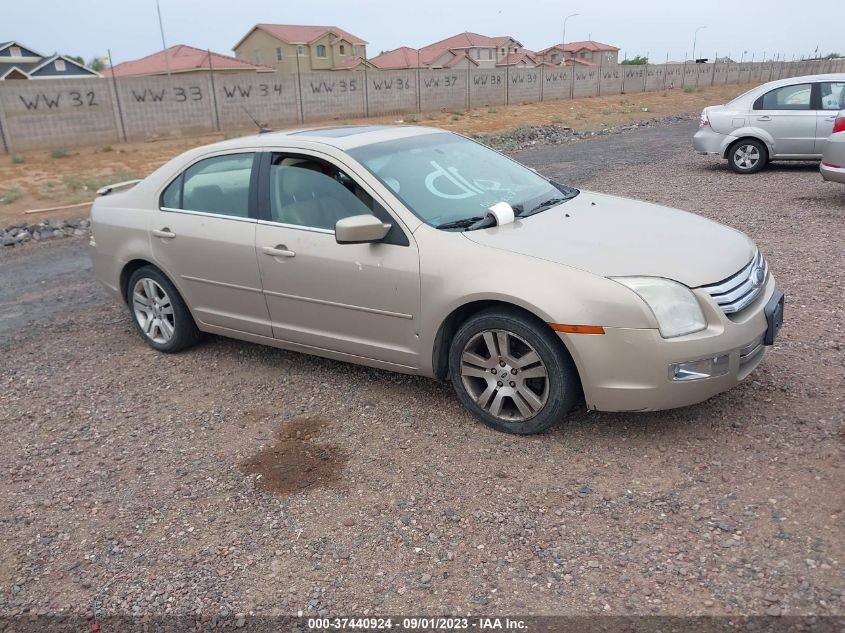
398	234
815	98
325	54
252	196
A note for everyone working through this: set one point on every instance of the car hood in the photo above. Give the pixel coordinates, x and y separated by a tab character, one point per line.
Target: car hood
612	236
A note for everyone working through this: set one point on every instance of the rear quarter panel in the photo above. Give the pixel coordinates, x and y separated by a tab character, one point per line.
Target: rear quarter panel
119	235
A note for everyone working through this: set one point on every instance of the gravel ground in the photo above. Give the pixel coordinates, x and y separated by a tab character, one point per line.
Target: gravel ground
241	479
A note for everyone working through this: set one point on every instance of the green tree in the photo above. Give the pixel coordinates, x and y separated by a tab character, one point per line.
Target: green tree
96	64
639	60
832	56
77	58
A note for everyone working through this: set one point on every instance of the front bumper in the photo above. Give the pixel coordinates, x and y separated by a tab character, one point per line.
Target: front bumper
629	369
707	141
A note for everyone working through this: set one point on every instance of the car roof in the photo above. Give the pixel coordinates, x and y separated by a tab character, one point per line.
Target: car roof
788	81
343	137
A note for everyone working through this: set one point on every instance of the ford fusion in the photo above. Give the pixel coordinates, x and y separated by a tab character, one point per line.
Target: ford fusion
420	251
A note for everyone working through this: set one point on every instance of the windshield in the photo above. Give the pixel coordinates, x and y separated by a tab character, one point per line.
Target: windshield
444	178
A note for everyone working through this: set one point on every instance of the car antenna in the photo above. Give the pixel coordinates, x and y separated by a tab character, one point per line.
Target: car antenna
262	129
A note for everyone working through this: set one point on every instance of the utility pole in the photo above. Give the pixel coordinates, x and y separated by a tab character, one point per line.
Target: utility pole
694	39
563	43
163	44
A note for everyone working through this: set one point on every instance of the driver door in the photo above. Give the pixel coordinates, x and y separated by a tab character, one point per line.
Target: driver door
357	299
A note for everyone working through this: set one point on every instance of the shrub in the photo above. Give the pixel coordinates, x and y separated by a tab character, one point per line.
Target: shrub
61	152
106	148
17	160
9	196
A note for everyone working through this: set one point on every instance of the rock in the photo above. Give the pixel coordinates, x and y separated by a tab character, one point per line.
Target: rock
349	521
593	564
584	490
425	579
240	620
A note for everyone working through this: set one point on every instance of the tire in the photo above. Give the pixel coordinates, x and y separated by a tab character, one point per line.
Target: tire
159	312
748	156
502	400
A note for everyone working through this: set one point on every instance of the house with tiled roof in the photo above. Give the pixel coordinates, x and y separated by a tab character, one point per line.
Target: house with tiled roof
302	48
182	59
22	62
585	53
464	50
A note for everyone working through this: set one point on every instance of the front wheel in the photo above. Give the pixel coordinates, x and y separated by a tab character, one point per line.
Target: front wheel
748	156
512	373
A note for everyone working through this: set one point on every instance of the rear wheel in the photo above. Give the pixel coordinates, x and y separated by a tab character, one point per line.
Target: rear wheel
511	372
748	156
159	312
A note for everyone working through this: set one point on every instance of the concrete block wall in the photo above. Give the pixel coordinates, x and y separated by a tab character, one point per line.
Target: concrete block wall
557	83
524	85
443	89
391	92
333	95
271	99
70	112
56	113
165	106
488	87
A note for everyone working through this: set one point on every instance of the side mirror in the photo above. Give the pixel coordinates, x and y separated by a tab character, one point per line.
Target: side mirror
360	229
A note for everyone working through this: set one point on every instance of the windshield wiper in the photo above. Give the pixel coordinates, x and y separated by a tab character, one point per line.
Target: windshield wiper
568	195
469	224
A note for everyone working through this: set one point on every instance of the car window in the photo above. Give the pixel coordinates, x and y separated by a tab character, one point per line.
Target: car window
309	192
213	185
833	95
795	97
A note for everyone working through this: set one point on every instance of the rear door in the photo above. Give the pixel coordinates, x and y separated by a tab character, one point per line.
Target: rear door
203	236
830	101
786	115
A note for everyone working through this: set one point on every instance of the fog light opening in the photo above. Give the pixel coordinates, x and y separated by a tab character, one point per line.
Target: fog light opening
699	369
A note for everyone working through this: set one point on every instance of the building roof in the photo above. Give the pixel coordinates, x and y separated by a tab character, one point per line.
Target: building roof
352	62
402	57
33	65
574	47
512	59
462	41
181	59
302	34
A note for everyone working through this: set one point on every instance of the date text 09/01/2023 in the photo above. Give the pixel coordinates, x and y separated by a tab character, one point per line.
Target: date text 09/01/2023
411	624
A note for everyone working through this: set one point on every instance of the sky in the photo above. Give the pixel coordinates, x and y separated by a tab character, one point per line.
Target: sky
657	28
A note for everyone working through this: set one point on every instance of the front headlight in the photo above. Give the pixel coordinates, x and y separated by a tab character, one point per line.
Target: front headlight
674	305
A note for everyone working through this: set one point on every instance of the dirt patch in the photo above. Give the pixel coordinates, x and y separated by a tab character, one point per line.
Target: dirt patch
295	462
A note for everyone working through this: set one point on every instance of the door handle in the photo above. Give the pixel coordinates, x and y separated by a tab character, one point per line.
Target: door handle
830	118
166	233
764	118
279	250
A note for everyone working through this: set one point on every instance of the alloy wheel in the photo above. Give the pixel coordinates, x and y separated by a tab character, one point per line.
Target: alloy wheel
153	311
746	156
504	375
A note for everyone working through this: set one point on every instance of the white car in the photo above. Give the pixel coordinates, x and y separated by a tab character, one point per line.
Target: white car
787	119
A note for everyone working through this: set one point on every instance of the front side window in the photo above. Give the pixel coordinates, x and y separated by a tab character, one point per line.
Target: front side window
795	97
833	95
312	193
321	51
443	178
214	185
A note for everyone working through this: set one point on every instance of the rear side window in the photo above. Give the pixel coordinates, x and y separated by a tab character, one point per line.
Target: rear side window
795	97
833	95
217	185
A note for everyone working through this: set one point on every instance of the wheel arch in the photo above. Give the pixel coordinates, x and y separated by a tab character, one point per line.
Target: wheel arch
748	134
450	324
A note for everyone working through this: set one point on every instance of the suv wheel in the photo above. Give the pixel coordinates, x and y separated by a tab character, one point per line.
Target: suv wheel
512	373
159	312
748	156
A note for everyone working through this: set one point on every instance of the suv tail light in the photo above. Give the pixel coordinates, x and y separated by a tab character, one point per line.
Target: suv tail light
839	124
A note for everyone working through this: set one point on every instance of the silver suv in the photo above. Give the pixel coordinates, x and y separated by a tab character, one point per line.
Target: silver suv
788	119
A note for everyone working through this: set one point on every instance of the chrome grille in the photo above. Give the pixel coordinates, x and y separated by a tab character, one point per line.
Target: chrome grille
737	291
